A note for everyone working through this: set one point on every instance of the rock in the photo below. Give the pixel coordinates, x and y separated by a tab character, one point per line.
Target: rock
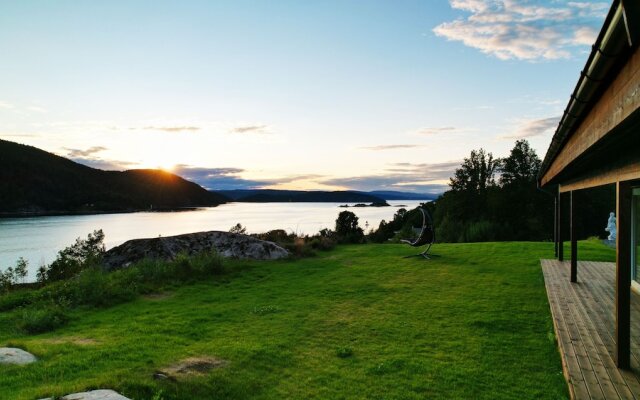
11	355
159	376
102	394
230	245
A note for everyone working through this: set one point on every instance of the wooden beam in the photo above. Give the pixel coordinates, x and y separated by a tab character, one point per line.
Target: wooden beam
619	100
604	177
574	238
623	275
560	238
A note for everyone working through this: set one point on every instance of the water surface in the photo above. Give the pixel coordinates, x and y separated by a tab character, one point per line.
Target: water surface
38	239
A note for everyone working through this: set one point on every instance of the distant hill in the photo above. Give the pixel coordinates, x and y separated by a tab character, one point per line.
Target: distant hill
298	196
395	195
301	196
33	181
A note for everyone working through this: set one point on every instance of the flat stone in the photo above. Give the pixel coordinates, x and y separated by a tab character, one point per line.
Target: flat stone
102	394
12	355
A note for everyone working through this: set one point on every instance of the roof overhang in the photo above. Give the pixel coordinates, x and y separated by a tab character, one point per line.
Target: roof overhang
613	49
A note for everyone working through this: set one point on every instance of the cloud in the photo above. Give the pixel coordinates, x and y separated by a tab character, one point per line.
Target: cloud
106	165
519	29
231	178
37	109
422	177
250	129
436	130
391	147
76	153
88	157
534	127
6	105
386	182
172	128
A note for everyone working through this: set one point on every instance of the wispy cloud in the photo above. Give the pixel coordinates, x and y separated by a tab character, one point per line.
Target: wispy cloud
533	127
6	106
37	109
106	165
520	29
422	177
172	128
74	153
436	130
250	129
231	178
88	157
391	147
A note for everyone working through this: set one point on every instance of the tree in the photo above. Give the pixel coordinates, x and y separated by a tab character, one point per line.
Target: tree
347	228
238	229
476	173
521	166
21	269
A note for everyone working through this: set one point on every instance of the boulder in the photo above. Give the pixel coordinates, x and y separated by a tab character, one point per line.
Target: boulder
230	245
102	394
11	355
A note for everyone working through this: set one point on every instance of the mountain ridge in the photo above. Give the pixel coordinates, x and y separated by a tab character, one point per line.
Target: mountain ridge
36	182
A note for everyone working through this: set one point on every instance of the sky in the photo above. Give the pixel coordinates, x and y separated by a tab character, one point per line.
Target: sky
349	94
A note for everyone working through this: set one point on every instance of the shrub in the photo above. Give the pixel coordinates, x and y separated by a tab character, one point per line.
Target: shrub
7	280
42	319
73	259
481	231
276	236
207	263
239	229
322	243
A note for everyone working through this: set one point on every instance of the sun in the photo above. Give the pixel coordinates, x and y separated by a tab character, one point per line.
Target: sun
161	164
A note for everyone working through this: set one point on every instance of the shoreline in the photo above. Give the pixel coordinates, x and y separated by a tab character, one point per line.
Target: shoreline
32	214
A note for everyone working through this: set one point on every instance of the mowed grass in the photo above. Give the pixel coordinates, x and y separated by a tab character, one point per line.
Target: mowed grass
356	322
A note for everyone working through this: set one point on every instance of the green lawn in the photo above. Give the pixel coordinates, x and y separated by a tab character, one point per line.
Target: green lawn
471	324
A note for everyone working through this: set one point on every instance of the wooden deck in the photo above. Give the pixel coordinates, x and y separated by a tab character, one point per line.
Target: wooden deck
583	316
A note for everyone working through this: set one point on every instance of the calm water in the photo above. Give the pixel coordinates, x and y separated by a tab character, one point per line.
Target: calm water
38	239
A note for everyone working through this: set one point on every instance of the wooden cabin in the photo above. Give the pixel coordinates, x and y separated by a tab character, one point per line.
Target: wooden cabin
597	142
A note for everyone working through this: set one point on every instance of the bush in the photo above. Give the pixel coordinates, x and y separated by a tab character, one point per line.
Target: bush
73	259
481	231
238	229
276	236
42	319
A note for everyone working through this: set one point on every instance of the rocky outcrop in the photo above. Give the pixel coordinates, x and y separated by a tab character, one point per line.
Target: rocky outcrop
11	355
230	245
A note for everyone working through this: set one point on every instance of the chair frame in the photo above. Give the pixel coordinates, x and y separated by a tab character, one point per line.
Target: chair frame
427	235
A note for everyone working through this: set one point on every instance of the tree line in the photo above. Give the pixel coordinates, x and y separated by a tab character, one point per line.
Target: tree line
489	199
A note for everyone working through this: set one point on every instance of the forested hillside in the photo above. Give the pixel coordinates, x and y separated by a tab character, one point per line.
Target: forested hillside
33	181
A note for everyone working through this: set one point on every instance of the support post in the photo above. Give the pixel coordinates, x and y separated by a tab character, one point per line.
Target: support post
623	275
574	238
559	233
555	225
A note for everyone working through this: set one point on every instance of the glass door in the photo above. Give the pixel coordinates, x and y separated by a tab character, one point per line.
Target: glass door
635	234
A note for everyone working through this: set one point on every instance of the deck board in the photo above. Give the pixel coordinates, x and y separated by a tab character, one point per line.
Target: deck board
583	317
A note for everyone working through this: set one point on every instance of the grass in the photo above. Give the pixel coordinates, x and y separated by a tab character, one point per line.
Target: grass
356	322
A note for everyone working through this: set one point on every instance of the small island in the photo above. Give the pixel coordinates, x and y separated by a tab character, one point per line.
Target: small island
373	204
